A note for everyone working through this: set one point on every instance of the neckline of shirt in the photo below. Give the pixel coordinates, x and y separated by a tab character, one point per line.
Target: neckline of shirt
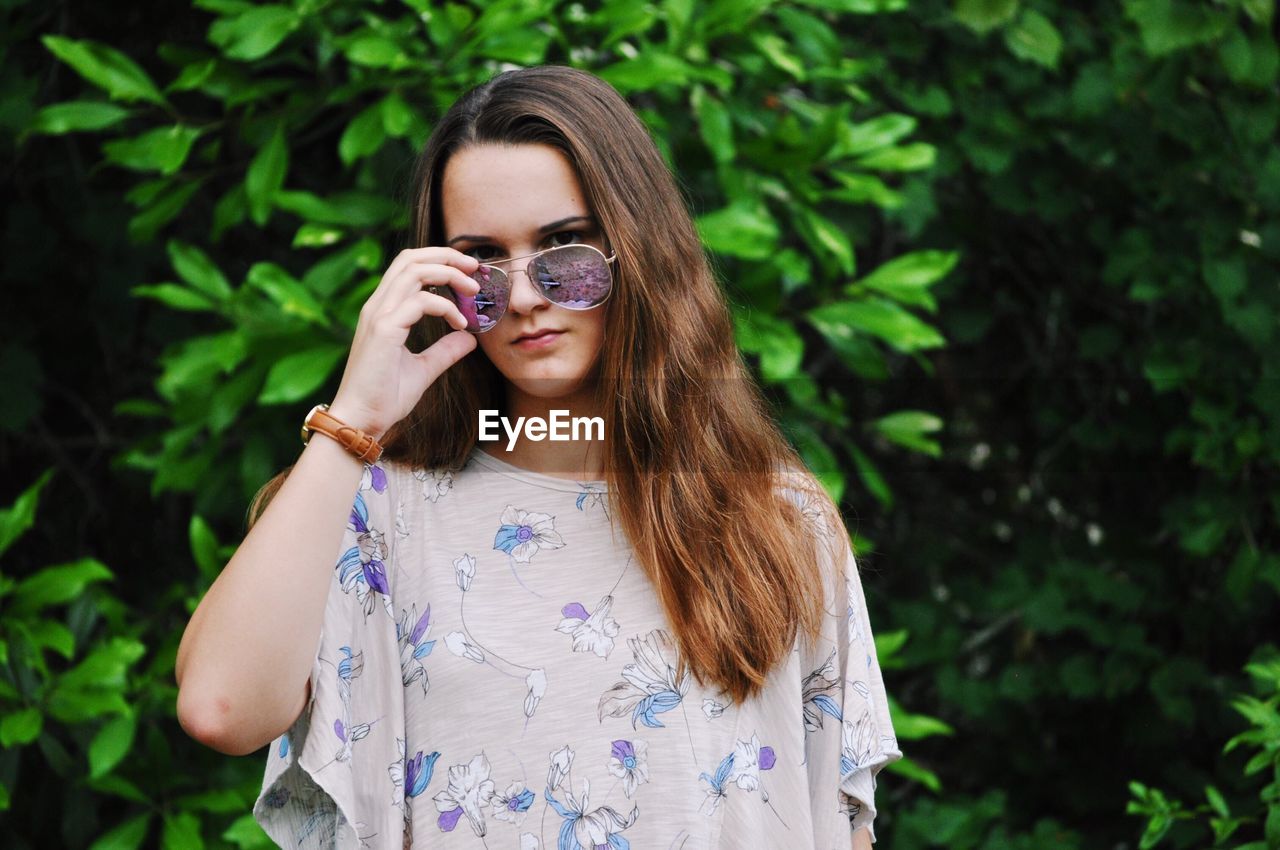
538	479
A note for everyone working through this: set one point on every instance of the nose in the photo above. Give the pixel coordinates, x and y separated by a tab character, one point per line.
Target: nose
525	297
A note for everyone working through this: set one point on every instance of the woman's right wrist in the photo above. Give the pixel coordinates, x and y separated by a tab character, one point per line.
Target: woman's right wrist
353	418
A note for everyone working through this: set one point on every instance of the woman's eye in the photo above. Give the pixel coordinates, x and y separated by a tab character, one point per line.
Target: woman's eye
572	237
479	253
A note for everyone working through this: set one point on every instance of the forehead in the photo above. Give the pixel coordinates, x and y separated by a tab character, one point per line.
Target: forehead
508	190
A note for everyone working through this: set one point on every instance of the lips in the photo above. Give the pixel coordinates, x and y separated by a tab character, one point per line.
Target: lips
536	334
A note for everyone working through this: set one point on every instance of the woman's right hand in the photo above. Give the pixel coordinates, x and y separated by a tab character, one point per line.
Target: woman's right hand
383	379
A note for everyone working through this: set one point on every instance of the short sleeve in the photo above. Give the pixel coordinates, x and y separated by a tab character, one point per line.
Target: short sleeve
849	734
330	780
867	739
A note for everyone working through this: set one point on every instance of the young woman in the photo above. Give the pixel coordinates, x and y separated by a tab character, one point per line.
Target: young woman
653	636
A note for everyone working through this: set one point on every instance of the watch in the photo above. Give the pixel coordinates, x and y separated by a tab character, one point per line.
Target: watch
360	444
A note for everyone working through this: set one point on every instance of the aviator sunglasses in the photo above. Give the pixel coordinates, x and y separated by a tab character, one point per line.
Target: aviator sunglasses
576	277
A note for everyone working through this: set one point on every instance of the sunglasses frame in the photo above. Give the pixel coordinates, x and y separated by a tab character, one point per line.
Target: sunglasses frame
608	261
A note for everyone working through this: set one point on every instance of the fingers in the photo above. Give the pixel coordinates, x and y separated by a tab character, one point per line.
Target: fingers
419	304
451	257
444	352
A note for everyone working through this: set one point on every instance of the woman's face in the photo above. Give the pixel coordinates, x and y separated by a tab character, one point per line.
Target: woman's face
503	201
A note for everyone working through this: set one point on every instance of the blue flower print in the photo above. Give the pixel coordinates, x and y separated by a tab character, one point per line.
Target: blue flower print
411	634
628	760
362	568
590	829
523	533
650	685
818	691
410	777
513	804
592	496
716	791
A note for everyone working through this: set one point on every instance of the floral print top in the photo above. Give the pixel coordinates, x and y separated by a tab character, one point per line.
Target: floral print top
495	671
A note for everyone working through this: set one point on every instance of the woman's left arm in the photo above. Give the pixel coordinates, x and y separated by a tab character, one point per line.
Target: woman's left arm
862	839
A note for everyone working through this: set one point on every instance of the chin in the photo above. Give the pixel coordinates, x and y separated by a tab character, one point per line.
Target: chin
548	386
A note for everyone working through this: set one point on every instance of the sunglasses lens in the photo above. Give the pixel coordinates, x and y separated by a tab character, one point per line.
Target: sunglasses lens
483	310
575	276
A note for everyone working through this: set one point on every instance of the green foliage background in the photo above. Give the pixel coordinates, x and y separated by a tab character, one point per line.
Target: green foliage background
1008	270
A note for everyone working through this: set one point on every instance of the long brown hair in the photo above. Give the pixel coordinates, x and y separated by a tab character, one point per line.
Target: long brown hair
693	459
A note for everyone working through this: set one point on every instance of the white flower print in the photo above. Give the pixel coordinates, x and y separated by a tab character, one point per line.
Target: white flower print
712	709
523	533
435	483
513	804
628	760
820	694
593	632
561	761
749	758
592	827
650	685
528	841
463	648
465	570
537	682
402	527
470	790
858	739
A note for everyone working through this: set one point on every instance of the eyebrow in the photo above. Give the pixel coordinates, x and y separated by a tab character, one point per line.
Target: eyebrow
546	228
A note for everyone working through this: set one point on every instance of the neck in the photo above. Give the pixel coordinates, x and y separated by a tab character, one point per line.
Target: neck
574	459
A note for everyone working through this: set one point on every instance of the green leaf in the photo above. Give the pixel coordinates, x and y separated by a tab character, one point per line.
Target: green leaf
714	124
646	71
913	157
374	51
912	769
1170	25
826	238
105	67
364	135
777	51
175	296
111	744
21	515
288	293
397	116
144	226
57	585
21	727
162	149
298	375
204	548
877	317
182	832
317	236
77	116
857	139
194	266
255	32
51	634
982	16
1035	39
780	347
908	428
345	209
127	836
742	229
907	278
266	176
246	833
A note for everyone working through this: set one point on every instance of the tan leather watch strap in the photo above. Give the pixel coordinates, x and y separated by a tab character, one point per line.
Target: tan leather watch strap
354	440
